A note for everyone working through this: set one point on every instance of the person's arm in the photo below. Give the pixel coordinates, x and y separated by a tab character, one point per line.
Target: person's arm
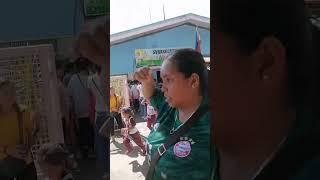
67	104
144	101
119	103
144	75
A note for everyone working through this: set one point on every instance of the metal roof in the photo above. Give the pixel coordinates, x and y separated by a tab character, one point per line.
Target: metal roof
192	19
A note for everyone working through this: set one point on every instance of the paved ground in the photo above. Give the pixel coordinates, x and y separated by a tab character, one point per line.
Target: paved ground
133	167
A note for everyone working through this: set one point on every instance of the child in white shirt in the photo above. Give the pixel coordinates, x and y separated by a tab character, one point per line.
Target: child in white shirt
151	115
131	132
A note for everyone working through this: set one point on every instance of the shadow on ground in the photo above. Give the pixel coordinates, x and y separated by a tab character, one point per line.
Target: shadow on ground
143	168
120	149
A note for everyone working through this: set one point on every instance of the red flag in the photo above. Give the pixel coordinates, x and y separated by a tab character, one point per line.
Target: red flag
198	41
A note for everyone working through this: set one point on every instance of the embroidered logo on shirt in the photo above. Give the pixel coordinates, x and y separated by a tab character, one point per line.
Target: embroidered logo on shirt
187	139
182	148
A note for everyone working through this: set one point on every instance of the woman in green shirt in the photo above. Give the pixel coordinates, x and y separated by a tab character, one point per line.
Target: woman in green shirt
184	90
263	126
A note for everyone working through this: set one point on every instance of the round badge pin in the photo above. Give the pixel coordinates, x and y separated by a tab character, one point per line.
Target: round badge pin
182	149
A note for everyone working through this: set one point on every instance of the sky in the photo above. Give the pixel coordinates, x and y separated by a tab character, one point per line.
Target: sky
129	14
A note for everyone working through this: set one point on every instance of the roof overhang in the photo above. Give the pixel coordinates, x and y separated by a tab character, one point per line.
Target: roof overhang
196	20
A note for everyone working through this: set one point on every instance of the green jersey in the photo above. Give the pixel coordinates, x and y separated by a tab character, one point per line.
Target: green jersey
189	158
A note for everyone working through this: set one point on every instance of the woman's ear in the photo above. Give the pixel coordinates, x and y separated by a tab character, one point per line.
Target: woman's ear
194	80
269	59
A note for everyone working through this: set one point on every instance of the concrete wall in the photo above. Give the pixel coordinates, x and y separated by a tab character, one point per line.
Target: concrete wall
122	55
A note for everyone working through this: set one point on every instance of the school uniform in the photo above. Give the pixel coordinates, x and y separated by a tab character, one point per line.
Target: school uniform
132	134
151	116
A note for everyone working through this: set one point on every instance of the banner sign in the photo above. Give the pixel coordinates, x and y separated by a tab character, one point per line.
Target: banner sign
96	7
152	57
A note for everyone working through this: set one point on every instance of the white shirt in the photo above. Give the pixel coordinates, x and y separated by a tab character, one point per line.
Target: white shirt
135	92
127	122
139	87
133	130
64	98
94	83
80	95
150	110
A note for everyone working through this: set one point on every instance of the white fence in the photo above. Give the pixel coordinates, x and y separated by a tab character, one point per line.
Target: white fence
32	70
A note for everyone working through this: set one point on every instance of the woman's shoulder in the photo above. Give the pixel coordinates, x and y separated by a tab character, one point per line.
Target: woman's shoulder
202	126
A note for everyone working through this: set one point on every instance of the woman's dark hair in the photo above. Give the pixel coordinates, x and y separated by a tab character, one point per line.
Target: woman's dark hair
82	64
127	110
97	68
69	67
189	61
250	21
60	64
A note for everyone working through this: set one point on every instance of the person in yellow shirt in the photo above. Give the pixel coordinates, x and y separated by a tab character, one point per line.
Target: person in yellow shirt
115	105
17	128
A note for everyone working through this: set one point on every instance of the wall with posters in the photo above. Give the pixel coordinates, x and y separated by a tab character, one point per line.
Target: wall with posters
119	83
122	56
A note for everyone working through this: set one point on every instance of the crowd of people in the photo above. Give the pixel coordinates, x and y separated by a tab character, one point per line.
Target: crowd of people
124	117
84	110
140	104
